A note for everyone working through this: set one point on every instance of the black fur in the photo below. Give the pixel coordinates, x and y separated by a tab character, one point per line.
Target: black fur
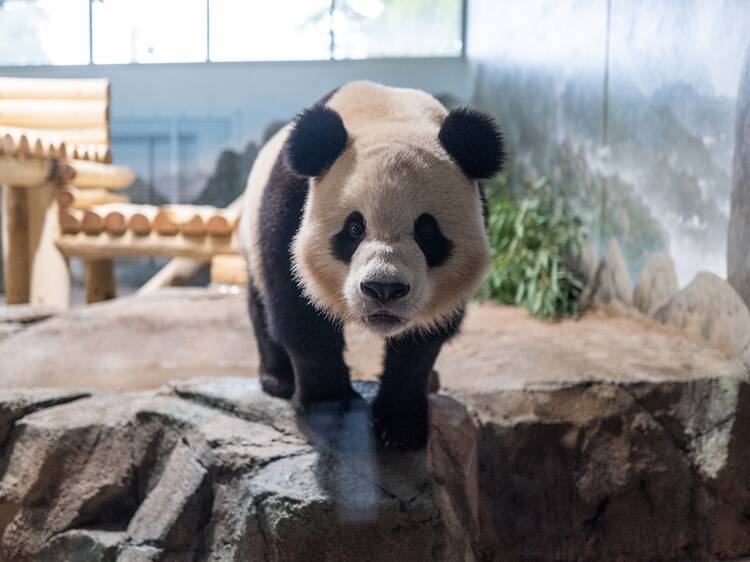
435	246
276	373
485	208
473	140
343	244
313	343
316	141
400	409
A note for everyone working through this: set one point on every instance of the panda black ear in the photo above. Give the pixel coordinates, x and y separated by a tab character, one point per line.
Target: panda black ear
317	139
473	140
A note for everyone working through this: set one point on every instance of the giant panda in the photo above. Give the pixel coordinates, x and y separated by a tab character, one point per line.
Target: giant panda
366	208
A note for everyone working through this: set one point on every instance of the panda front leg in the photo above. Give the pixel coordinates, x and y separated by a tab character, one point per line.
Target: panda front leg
400	409
276	372
320	374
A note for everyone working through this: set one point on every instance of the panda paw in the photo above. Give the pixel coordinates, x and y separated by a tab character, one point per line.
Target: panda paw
276	386
400	428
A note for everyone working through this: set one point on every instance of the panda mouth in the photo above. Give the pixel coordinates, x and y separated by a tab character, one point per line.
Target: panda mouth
384	319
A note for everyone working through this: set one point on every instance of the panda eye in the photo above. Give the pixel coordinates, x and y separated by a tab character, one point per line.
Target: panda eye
425	229
356	229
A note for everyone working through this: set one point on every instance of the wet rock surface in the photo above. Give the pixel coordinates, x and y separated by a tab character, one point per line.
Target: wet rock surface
212	469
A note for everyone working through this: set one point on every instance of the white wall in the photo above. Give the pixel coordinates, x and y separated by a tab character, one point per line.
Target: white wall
252	93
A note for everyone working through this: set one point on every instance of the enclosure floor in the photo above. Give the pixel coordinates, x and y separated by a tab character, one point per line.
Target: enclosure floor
137	343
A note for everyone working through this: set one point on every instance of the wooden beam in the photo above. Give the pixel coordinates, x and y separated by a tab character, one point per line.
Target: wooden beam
54	88
88	198
129	244
25	172
53	113
177	273
50	276
71	221
180	270
99	280
15	242
228	270
98	175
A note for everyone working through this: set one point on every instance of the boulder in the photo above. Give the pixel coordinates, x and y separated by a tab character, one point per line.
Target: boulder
711	309
738	238
602	471
205	470
611	284
213	469
657	284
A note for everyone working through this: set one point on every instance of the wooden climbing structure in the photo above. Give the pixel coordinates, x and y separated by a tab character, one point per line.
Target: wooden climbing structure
60	197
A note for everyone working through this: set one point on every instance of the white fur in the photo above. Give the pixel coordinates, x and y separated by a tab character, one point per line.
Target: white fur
249	222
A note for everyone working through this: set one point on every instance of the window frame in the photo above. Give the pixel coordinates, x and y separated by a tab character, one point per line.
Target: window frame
331	56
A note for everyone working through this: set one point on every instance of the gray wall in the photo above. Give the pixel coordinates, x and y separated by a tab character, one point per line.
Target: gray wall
640	134
252	94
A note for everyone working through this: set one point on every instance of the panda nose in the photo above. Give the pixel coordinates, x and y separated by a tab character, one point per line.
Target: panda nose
384	292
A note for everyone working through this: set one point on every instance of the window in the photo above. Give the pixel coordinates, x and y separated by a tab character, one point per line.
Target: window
388	28
44	32
159	31
279	30
149	31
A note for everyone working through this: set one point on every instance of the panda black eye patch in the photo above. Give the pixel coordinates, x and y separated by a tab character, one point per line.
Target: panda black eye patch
344	243
430	239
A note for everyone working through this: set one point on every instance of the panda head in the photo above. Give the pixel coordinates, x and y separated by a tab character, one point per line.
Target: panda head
392	235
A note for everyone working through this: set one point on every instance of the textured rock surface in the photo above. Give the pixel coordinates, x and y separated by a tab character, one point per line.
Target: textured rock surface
144	342
202	471
710	308
214	470
657	284
738	240
611	283
600	471
16	317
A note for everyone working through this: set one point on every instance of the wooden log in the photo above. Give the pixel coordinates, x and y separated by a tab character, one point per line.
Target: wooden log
228	269
92	223
54	113
71	221
33	172
54	88
99	175
141	221
222	224
99	280
177	273
105	245
179	269
16	258
50	276
115	223
87	198
195	226
163	223
25	172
